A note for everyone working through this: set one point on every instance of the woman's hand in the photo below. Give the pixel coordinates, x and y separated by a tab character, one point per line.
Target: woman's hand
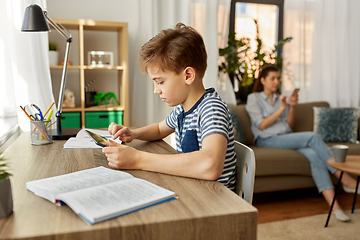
121	132
121	156
283	101
293	99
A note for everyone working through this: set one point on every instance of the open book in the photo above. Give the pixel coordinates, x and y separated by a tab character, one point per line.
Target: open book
100	193
83	140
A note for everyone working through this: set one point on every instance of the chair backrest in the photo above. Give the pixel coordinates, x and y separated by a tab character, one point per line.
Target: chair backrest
245	171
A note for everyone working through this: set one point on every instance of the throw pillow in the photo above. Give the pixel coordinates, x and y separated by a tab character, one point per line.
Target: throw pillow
336	124
240	134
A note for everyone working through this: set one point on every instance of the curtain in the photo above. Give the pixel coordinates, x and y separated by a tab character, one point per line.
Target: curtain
224	86
163	14
323	58
24	64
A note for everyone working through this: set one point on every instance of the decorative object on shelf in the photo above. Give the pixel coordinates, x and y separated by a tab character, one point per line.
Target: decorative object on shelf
90	94
105	98
243	64
6	200
100	59
35	20
53	54
69	63
69	98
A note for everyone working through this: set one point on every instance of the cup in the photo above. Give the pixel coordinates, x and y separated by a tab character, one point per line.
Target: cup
339	152
39	132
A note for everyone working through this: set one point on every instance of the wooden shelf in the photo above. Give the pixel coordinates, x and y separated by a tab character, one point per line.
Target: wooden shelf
89	33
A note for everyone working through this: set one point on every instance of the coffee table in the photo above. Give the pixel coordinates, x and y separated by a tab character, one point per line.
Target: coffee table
352	166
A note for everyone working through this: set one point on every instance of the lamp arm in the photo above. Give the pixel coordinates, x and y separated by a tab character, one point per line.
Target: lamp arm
64	75
63	31
66	34
62	87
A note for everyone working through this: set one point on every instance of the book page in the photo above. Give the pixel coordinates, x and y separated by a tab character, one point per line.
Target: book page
83	140
50	187
82	133
114	199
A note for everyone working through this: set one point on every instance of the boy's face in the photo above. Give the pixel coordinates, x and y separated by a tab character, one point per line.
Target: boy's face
170	86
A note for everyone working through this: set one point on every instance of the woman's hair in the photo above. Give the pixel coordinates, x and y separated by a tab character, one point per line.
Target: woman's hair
264	72
174	50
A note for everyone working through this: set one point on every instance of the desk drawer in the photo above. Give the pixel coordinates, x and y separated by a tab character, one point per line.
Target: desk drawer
102	119
70	120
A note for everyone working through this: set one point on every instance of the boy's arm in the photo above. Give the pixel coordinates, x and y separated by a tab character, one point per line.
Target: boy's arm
206	164
151	132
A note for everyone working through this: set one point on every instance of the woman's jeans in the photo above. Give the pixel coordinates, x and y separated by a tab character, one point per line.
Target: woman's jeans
312	146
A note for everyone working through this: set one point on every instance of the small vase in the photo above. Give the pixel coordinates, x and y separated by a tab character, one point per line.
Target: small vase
6	201
53	58
244	92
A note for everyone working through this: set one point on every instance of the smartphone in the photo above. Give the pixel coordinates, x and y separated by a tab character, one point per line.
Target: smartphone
296	90
99	140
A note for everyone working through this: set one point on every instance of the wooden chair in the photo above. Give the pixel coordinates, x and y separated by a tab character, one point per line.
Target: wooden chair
245	171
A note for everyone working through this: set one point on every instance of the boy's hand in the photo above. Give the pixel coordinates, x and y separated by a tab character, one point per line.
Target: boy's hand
120	156
119	131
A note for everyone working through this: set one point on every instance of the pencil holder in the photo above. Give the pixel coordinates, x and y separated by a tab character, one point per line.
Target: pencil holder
39	132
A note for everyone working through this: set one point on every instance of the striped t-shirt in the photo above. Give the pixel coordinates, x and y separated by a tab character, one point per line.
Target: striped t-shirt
208	116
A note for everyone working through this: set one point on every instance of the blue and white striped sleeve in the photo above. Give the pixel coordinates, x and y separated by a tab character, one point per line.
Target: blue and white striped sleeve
214	118
171	119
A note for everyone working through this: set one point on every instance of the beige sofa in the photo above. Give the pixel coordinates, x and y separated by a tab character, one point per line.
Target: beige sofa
279	169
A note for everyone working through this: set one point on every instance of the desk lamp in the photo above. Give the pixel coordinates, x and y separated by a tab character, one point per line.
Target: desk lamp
35	20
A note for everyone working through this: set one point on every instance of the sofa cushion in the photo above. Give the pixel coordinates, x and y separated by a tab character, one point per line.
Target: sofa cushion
274	161
240	135
304	115
336	124
245	121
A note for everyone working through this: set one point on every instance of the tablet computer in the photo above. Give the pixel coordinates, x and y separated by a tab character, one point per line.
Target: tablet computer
99	140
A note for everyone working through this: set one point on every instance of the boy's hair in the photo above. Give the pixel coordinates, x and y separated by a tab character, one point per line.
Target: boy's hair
174	50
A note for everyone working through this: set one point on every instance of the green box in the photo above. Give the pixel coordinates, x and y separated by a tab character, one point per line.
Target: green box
102	119
70	120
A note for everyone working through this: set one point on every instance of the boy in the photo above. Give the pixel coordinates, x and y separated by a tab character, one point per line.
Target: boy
176	61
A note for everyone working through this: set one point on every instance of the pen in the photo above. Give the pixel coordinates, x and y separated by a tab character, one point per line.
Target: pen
42	133
49	117
50	114
39	110
48	109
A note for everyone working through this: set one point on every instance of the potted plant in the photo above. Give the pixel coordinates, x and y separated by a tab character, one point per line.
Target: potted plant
242	64
6	201
53	54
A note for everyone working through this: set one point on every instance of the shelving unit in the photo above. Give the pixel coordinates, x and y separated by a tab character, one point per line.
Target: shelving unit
93	36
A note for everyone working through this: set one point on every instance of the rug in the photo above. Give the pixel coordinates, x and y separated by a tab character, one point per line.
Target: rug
312	228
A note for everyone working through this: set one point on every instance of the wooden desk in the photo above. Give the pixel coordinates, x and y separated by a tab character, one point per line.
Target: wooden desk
204	210
351	165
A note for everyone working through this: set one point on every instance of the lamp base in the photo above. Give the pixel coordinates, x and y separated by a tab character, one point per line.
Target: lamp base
65	133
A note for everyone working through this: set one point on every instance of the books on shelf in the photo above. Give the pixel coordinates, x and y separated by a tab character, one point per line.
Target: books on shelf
83	140
99	194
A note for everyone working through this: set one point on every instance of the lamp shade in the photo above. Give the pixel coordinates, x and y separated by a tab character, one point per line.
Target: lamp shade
34	20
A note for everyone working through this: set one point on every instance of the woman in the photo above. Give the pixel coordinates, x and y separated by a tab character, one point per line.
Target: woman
272	117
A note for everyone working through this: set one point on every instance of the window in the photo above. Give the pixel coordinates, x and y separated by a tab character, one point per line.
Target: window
267	13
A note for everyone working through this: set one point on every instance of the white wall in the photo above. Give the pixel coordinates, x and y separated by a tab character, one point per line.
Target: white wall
117	11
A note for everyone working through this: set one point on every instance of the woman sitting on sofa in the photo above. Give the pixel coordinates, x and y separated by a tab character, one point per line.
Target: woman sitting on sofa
272	117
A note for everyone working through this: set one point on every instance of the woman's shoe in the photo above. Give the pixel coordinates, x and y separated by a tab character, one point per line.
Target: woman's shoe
351	190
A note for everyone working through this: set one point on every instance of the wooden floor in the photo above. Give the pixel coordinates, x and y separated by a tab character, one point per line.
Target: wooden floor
284	205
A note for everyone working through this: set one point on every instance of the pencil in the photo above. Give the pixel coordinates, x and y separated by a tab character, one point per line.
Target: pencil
42	133
49	109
